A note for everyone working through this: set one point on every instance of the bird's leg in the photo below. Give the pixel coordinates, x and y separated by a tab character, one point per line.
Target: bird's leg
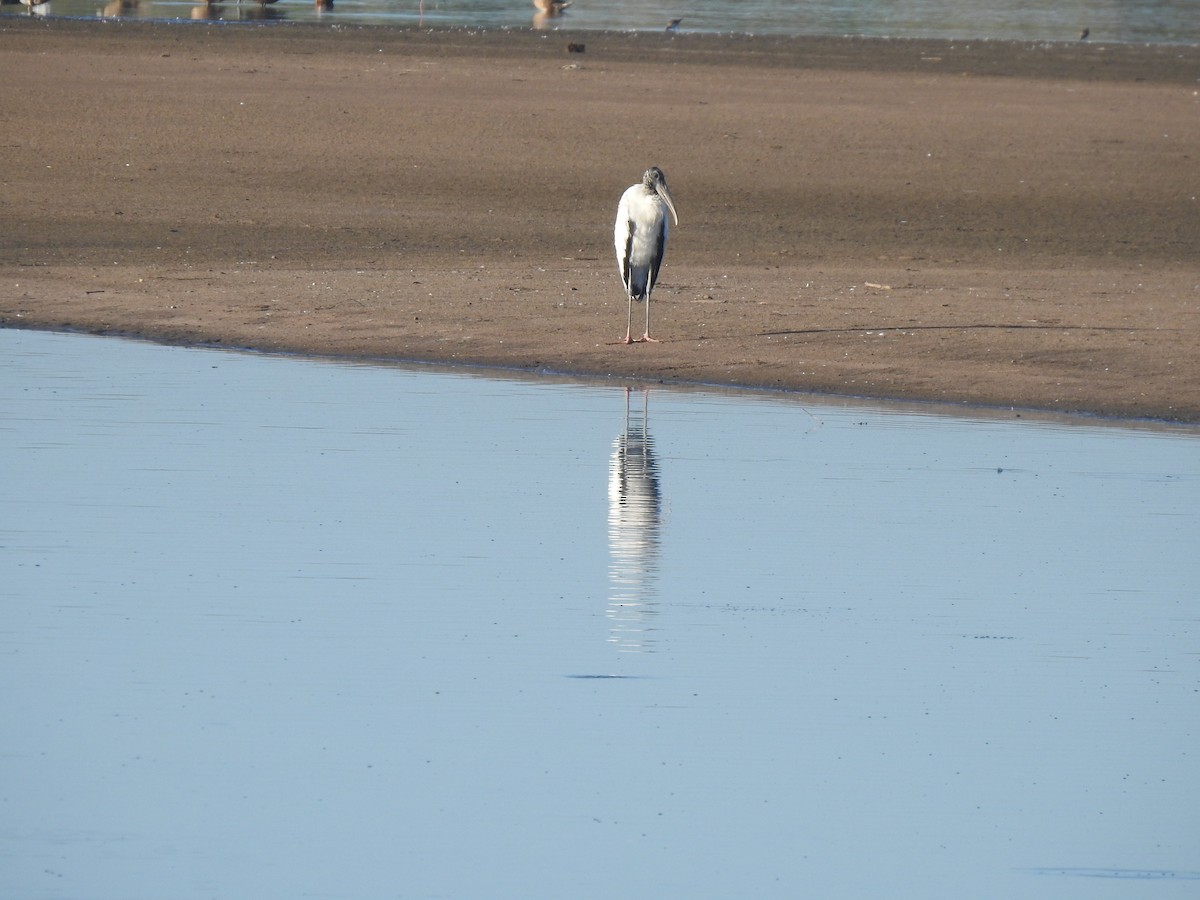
629	323
646	336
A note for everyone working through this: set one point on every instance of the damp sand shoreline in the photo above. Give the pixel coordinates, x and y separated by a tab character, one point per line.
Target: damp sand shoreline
994	224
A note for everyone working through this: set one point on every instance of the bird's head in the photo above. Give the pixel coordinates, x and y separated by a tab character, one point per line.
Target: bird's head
656	181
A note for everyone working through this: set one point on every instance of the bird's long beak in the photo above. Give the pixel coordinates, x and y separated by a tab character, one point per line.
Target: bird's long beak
665	193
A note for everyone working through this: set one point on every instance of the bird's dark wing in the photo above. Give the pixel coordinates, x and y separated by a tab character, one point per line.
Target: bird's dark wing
659	250
626	275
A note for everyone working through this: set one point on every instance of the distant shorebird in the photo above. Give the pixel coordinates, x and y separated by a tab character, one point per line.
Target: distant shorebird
673	25
547	10
640	238
1083	35
115	9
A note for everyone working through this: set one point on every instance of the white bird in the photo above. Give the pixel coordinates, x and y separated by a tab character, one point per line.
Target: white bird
640	237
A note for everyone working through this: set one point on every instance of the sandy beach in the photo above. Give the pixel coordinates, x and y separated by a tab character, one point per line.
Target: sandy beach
1010	225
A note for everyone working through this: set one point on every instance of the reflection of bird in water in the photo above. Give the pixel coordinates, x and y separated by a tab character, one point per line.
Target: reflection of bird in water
640	237
548	9
634	512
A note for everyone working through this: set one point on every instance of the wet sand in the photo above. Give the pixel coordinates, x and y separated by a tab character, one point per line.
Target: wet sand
985	223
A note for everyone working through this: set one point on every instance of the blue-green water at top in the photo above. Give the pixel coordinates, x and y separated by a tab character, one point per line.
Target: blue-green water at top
1136	21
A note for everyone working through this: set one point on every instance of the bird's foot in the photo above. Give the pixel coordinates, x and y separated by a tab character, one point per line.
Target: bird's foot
649	340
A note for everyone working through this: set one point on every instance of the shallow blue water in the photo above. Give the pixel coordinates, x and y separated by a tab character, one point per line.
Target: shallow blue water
276	627
1150	21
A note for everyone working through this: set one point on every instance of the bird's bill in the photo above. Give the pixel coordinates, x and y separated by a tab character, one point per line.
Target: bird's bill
665	193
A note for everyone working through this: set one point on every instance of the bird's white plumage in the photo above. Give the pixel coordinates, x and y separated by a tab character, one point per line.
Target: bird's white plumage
640	238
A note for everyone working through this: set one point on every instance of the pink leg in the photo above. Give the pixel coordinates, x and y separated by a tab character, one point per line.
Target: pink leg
646	336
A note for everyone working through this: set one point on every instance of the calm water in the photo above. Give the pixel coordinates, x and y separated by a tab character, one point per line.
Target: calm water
275	627
1154	21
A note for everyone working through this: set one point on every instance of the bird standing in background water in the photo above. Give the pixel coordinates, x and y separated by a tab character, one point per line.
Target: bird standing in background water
640	237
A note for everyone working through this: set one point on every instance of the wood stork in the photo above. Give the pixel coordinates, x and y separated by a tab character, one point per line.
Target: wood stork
640	237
